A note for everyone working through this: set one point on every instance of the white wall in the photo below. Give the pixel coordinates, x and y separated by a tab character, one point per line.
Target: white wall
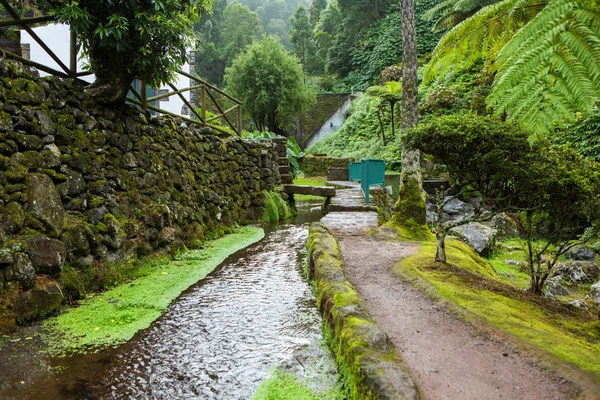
334	123
57	37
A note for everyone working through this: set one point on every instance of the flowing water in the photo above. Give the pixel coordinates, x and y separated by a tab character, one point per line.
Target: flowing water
218	340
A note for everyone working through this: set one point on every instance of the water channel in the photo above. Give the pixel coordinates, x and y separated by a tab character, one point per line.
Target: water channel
218	340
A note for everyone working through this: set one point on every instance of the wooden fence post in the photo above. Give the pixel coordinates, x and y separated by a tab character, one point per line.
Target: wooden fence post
73	60
203	104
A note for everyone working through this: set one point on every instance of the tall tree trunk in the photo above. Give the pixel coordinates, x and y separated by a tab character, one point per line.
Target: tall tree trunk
410	210
410	93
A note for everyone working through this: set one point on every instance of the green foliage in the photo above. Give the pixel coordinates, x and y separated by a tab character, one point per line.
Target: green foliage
223	35
146	40
316	8
302	37
449	13
294	152
556	189
583	137
380	45
550	69
270	83
544	52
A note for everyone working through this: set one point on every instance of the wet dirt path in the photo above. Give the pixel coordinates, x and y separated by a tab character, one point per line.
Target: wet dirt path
449	359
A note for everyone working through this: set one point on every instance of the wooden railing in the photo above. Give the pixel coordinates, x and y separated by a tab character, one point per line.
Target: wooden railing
208	99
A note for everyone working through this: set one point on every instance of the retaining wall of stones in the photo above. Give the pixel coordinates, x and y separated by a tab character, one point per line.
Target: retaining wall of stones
84	188
364	352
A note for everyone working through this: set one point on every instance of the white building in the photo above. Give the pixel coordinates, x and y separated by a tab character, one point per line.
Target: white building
57	38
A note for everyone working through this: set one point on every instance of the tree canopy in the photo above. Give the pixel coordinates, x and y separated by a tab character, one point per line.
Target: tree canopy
123	40
270	82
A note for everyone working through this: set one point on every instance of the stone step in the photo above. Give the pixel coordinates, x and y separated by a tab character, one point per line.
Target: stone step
335	208
323	191
284	169
287	178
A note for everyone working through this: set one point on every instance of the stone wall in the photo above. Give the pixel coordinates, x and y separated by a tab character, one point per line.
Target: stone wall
84	188
318	165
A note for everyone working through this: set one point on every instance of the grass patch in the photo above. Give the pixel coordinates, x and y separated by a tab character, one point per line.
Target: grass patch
113	317
469	281
282	386
310	181
276	208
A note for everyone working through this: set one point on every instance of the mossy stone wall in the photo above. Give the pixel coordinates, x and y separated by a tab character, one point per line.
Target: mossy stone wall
318	166
365	355
84	187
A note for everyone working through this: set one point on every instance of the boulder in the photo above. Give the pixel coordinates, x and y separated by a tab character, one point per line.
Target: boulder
577	271
595	293
47	255
44	299
554	287
581	253
44	203
456	209
14	217
22	270
479	237
504	225
51	156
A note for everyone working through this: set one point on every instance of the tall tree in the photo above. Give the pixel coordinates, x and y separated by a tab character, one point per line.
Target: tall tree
316	8
302	35
240	29
409	210
270	82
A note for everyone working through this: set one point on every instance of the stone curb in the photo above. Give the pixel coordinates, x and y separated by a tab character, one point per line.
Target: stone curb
364	352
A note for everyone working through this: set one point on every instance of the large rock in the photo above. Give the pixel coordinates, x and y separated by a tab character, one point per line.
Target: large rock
479	237
595	293
44	299
44	203
577	271
455	210
22	270
47	255
554	287
504	225
581	253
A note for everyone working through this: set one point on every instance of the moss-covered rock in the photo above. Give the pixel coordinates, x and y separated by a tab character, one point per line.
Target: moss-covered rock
364	353
410	213
43	299
44	203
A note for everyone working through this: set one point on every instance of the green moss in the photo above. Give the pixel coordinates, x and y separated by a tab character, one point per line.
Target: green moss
409	217
8	296
276	208
470	282
282	386
115	316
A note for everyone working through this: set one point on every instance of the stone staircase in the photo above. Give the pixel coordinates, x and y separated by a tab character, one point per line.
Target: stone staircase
284	165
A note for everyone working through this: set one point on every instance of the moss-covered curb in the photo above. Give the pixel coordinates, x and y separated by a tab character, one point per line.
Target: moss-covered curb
113	317
364	353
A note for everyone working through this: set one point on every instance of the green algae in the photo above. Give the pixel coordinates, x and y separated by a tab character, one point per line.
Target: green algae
568	335
113	317
283	386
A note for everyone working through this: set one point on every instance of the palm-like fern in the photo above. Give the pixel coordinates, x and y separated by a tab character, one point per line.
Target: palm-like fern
551	68
546	54
448	13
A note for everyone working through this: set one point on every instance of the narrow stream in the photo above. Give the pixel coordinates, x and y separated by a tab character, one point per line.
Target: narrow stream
218	340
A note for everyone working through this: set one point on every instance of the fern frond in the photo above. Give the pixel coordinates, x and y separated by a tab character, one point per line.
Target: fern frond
550	69
481	35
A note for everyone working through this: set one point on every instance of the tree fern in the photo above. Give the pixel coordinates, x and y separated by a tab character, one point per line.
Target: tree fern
550	69
448	13
482	35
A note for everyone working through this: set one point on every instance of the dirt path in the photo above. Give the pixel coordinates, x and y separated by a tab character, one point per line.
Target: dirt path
448	357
